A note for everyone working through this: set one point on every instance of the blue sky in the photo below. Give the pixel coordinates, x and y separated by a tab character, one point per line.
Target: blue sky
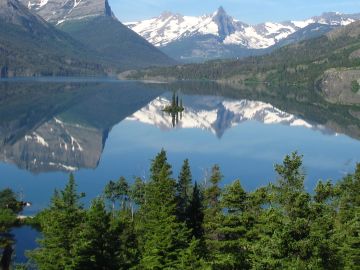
250	11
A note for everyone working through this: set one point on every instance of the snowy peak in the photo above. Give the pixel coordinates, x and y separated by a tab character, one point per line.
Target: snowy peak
169	27
226	24
58	11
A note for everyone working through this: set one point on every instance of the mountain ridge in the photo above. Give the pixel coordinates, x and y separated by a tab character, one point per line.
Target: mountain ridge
223	32
31	47
59	11
90	41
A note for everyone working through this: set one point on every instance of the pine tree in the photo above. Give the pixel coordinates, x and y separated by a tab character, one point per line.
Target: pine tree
124	192
231	251
213	212
60	225
95	247
195	212
351	246
123	227
348	203
137	192
164	237
184	189
285	231
112	193
158	164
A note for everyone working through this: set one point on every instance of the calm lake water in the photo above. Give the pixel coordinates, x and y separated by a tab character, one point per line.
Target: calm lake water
101	130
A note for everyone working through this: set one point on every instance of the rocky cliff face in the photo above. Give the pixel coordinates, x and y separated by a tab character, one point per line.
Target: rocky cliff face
336	86
58	11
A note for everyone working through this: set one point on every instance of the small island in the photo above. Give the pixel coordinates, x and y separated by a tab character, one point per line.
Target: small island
176	105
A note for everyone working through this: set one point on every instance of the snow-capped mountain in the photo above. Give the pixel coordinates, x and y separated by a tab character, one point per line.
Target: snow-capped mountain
219	31
216	114
58	11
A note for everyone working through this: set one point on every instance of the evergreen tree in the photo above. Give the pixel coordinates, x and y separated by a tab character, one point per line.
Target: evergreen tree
195	214
60	226
124	192
164	237
95	247
285	230
184	189
158	165
348	203
112	193
190	258
213	211
128	255
231	250
137	192
350	250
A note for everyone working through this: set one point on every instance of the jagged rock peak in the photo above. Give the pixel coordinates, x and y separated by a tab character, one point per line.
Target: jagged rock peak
58	11
225	23
220	11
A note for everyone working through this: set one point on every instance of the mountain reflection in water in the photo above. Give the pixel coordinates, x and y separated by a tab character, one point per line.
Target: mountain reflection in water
49	127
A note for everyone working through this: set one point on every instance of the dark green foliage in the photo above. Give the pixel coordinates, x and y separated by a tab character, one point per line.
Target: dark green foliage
167	225
9	208
60	225
9	200
137	192
232	247
213	212
95	245
184	190
117	191
128	253
195	218
164	236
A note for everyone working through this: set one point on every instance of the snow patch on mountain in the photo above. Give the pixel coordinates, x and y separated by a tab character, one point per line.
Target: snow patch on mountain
59	11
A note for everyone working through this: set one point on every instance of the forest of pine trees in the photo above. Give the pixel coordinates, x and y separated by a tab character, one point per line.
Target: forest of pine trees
177	223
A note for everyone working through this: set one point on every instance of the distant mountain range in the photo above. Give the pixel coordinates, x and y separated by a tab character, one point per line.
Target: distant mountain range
219	35
71	37
325	67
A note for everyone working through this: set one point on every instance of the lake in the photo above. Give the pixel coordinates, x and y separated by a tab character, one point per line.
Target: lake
102	129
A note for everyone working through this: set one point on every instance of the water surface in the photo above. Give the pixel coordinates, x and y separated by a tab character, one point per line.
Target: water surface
101	130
